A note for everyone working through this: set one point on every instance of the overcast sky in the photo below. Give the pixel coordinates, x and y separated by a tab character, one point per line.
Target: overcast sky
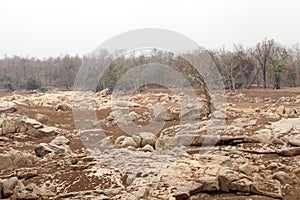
56	27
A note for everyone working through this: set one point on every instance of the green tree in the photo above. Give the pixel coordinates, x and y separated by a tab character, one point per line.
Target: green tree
276	70
32	84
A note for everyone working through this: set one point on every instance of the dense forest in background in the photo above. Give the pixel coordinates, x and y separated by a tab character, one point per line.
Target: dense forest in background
267	64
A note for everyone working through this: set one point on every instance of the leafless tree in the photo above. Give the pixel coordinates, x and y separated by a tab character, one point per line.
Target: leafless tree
263	53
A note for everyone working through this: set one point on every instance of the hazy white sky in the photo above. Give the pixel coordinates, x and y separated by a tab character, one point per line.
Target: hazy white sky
56	27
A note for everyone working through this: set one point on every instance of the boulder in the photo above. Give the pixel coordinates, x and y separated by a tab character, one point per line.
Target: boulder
133	116
124	142
9	186
141	193
15	159
147	148
264	138
47	131
43	149
119	117
137	140
119	103
268	188
148	138
280	110
21	159
248	169
244	122
10	109
294	141
8	126
218	115
191	114
283	177
286	125
230	180
43	192
158	112
160	143
60	140
32	122
26	173
12	125
42	118
62	107
293	151
184	140
5	161
171	116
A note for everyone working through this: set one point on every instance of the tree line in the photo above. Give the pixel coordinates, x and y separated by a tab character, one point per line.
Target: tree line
267	64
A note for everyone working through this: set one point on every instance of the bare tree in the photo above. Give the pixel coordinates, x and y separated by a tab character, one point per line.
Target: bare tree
263	53
235	67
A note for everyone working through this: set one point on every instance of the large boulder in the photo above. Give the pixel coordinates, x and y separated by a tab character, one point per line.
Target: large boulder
26	173
147	148
283	177
195	113
244	122
60	140
286	125
293	151
32	123
43	149
119	103
158	112
270	188
22	159
47	131
248	169
9	186
118	117
261	137
280	110
8	126
124	142
42	118
5	161
148	138
218	114
133	116
57	146
10	109
230	180
293	140
62	107
15	159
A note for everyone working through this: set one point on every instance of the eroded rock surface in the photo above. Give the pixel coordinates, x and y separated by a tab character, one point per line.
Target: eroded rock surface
246	153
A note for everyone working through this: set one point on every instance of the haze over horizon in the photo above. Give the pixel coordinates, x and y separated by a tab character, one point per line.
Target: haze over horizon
51	28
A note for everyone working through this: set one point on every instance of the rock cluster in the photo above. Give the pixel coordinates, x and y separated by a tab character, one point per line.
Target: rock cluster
253	154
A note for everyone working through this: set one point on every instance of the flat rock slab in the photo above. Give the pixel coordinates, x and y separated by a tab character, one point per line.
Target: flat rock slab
294	151
267	188
11	109
286	125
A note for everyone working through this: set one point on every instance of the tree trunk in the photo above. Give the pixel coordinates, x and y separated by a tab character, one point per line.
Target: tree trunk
265	76
251	82
277	83
233	84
